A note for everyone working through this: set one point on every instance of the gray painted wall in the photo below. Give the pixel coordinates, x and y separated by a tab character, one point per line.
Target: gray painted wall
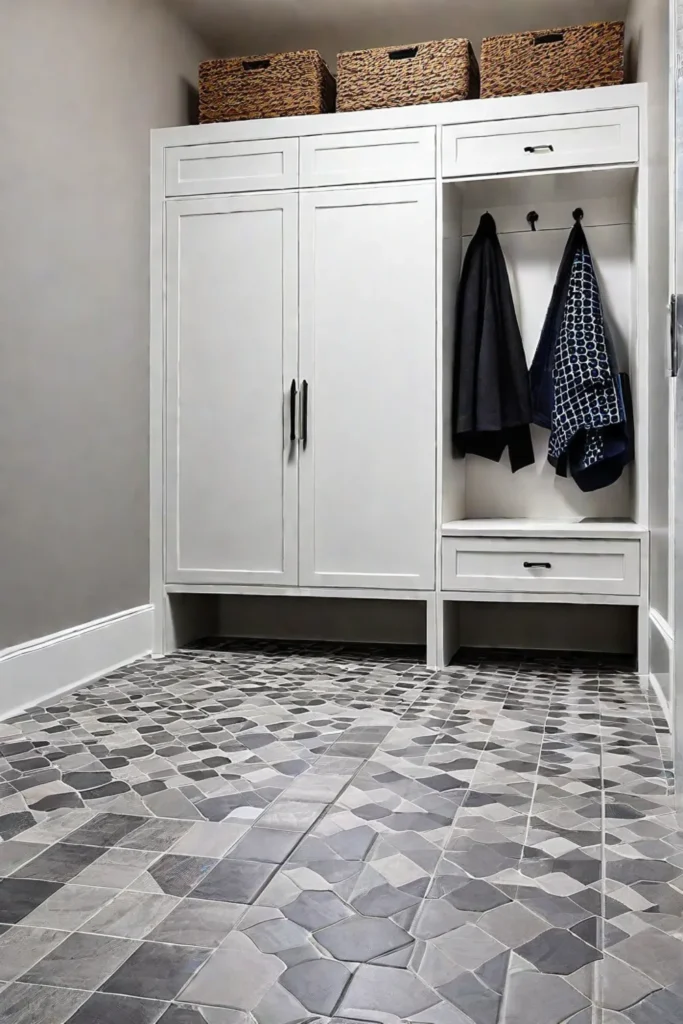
81	84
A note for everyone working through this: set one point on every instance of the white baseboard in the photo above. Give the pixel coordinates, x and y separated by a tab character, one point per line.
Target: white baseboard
661	662
37	671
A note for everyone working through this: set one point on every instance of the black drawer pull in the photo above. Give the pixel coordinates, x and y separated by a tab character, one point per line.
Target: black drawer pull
537	565
255	65
407	54
539	149
292	412
551	37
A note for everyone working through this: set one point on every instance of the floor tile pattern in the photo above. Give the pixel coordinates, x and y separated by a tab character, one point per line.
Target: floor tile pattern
271	834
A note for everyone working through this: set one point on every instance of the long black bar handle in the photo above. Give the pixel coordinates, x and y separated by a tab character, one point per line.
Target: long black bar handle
539	149
304	413
292	412
537	565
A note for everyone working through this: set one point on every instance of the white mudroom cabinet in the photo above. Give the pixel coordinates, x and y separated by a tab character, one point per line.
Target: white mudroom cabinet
304	281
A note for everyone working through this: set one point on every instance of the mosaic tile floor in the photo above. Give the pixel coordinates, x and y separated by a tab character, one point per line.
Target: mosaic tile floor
277	835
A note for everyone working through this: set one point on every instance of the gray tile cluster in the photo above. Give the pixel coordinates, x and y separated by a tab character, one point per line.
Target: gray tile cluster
266	834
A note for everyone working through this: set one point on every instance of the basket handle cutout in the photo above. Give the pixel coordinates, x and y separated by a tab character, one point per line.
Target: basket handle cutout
255	65
551	37
407	54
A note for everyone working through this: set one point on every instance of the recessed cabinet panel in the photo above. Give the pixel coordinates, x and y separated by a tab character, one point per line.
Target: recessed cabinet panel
232	167
349	158
231	496
540	143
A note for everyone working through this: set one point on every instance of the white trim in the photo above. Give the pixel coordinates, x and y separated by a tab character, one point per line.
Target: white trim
36	671
662	626
661	699
658	622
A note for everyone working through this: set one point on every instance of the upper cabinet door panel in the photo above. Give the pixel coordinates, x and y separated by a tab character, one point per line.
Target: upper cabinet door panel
232	167
231	355
540	143
350	158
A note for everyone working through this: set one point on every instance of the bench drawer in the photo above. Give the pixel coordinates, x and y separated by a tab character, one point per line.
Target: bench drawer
542	566
232	167
539	143
350	158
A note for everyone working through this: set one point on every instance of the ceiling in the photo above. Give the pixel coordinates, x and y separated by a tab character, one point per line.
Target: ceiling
250	27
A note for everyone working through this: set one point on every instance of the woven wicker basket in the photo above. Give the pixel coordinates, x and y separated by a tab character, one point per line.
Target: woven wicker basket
581	57
400	77
276	85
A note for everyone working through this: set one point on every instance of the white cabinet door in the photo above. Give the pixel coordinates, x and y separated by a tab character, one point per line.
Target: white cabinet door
231	330
368	356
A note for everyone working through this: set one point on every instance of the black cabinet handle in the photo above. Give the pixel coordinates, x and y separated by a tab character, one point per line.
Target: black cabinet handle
537	565
539	149
304	413
292	411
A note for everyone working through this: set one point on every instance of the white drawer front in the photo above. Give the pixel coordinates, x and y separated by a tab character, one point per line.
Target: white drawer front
536	143
542	567
351	158
232	167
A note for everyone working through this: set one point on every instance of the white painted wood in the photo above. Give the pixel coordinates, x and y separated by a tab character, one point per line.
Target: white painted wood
232	167
521	597
231	354
570	529
400	154
37	671
473	111
157	385
565	140
542	566
368	352
341	592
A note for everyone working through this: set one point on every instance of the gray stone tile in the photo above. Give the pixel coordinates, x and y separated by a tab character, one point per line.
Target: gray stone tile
20	896
658	956
292	815
186	1014
101	1008
387	990
81	961
533	998
104	830
38	1004
317	984
353	843
237	976
15	853
159	835
131	915
198	923
70	907
557	951
210	839
267	845
279	935
360	939
475	999
21	948
234	881
59	863
661	1007
156	971
116	868
315	910
621	985
512	924
174	875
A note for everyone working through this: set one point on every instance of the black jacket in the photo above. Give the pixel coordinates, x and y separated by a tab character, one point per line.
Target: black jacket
491	398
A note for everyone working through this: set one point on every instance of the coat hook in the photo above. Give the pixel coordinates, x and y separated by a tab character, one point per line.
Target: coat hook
578	214
532	219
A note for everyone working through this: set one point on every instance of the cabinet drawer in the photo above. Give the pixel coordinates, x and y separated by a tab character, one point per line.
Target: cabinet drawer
542	567
351	158
537	143
232	167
